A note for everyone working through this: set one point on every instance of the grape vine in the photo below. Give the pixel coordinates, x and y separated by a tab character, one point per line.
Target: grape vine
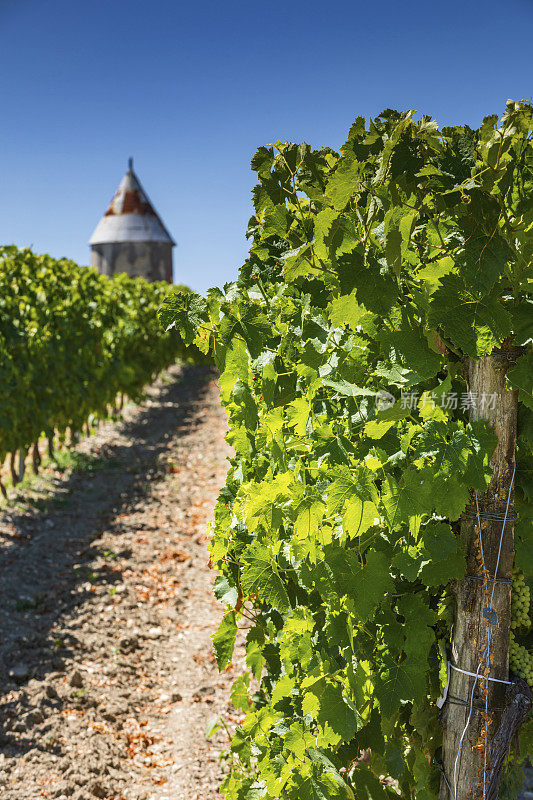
373	274
71	340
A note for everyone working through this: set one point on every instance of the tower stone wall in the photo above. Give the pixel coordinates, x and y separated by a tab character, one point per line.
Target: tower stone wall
150	260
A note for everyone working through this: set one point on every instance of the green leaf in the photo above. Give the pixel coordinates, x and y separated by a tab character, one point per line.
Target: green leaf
237	367
267	499
224	640
475	323
349	389
419	635
398	226
521	378
185	311
377	428
408	348
458	453
300	263
526	736
411	497
367	785
372	583
263	161
325	702
307	526
523	322
213	725
483	259
436	560
346	311
385	420
320	785
298	414
348	485
298	739
239	692
324	221
225	591
261	577
342	574
451	497
399	683
344	182
360	515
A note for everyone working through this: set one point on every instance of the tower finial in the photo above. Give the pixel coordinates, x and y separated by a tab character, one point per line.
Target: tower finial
130	164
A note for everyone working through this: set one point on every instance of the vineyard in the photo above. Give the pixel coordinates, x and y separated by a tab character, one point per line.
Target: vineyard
376	365
71	342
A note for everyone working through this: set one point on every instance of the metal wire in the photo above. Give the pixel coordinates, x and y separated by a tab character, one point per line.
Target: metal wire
481	578
489	632
485	656
457	701
474	675
461	740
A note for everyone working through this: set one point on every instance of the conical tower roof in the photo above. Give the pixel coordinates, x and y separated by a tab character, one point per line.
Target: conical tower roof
131	216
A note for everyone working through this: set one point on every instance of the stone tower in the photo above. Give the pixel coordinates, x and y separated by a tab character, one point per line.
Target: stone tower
131	237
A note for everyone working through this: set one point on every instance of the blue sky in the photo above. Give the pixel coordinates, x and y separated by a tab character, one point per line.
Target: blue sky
191	90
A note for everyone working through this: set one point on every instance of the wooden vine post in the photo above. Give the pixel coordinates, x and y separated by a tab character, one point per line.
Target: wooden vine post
470	775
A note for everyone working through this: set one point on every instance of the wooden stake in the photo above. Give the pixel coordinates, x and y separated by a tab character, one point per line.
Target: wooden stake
466	775
14	475
23	452
36	458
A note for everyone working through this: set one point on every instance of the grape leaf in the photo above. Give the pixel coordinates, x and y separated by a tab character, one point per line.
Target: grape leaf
261	577
224	639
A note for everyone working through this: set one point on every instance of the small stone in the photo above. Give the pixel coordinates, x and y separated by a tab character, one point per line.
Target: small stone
97	789
176	697
33	717
51	692
19	672
203	690
128	642
76	680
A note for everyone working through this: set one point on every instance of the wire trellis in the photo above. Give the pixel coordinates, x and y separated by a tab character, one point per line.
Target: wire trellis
484	663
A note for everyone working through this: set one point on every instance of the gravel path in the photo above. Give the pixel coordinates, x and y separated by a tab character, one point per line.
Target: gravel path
107	678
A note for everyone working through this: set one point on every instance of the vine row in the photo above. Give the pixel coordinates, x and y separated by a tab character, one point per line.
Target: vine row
374	274
71	340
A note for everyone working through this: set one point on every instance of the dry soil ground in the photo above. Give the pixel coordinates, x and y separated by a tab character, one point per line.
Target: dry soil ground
106	611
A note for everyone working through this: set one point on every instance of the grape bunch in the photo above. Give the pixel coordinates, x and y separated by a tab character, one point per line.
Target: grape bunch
520	658
520	599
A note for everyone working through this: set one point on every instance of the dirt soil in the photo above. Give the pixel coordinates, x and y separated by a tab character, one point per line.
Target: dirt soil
106	669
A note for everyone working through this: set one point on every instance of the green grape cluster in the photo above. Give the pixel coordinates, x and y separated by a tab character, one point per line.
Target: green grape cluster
520	599
521	660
